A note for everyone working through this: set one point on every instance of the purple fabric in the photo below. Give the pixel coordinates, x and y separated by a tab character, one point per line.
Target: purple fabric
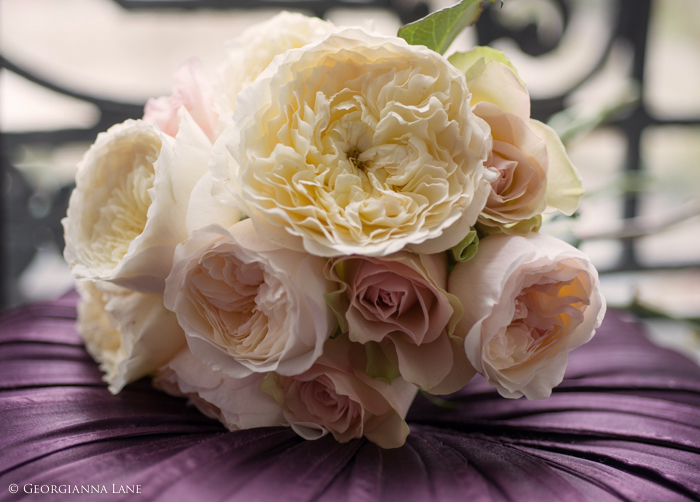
623	426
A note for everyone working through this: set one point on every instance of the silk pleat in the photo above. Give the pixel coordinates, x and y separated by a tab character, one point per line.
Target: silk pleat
623	426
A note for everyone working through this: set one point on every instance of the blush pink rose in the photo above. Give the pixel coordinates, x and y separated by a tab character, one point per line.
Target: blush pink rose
535	174
519	193
399	302
336	396
238	403
247	305
191	89
528	301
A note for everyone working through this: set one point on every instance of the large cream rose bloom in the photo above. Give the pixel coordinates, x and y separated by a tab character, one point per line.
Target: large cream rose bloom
356	144
139	192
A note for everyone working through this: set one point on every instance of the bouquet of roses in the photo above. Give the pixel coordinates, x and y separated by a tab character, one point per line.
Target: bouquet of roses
338	220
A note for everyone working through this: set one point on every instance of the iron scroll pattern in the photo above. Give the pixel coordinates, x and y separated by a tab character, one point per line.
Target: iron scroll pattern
23	228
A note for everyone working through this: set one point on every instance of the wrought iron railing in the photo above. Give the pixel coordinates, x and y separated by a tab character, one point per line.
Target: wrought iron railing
21	220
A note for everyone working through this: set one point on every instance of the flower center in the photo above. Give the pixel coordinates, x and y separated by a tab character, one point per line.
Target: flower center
354	157
236	299
544	313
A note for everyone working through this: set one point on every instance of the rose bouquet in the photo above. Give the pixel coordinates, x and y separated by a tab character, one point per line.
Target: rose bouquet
339	220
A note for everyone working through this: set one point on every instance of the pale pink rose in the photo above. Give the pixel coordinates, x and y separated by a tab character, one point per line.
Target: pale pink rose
191	89
399	302
520	157
528	301
336	396
238	403
247	305
535	174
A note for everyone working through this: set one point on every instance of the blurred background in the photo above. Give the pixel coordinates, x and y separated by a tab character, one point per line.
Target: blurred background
618	79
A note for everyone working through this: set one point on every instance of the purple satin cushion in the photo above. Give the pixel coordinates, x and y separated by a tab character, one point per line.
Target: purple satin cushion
623	426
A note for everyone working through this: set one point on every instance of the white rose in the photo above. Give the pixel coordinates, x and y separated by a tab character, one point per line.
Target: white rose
129	208
253	51
528	301
238	403
357	144
130	334
248	305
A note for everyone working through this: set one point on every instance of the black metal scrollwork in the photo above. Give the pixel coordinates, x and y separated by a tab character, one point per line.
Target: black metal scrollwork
24	226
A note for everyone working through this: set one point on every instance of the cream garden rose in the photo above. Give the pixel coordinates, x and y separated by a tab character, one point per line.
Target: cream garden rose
357	143
130	334
252	52
528	301
130	206
398	307
238	403
335	395
248	305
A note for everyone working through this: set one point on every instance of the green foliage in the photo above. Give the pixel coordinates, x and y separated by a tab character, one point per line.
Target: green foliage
473	62
438	30
467	248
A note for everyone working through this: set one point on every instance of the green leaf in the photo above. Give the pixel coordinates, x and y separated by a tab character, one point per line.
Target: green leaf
378	364
486	226
438	30
473	62
467	248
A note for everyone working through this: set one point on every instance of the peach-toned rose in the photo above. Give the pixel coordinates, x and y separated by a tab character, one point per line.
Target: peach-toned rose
535	175
238	403
399	302
528	301
191	89
248	305
520	157
336	396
